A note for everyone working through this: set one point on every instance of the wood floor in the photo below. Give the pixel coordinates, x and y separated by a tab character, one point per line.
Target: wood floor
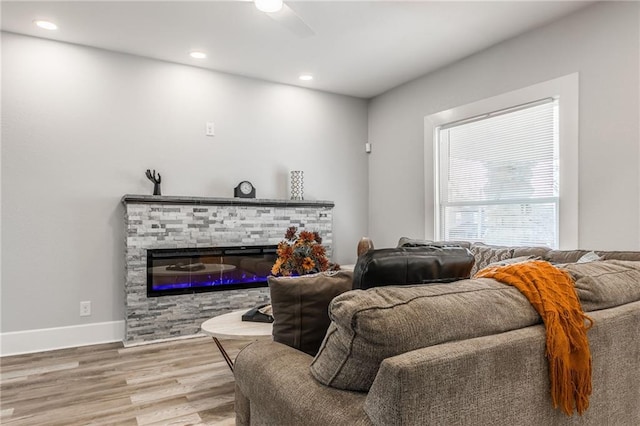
184	382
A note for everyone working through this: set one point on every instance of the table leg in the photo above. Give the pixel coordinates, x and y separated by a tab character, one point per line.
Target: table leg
224	353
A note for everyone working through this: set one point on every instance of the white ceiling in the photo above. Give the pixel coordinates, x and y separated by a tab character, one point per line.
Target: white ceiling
360	48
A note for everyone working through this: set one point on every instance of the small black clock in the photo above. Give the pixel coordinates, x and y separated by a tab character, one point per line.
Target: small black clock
245	189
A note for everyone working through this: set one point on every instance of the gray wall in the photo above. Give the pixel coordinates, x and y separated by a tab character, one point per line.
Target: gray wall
81	125
602	43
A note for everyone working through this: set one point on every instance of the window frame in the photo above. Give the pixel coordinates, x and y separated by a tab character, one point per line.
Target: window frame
563	88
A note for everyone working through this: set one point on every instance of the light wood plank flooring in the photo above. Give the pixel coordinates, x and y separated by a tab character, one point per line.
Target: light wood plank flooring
183	382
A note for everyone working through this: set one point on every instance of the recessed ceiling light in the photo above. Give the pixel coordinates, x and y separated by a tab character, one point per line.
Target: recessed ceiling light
305	77
198	55
47	25
268	6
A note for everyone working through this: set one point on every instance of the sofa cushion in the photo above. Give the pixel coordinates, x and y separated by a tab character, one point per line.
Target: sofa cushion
411	265
369	326
513	260
589	257
414	242
605	284
564	256
486	254
572	256
619	255
300	307
536	251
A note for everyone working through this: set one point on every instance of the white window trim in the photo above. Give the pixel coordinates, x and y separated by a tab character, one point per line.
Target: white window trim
565	88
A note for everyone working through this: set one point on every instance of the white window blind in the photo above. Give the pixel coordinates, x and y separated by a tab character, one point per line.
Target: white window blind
498	177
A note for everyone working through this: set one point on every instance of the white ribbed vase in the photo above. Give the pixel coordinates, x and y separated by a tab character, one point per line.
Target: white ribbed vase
297	185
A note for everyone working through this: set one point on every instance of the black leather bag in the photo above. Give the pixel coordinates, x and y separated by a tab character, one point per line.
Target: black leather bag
412	265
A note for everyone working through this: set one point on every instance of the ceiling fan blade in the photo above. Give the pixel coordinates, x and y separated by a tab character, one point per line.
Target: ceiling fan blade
291	21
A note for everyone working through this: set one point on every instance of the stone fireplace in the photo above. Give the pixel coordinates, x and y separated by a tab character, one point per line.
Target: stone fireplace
167	222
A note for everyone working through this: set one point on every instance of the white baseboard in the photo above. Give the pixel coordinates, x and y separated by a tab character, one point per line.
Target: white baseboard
47	339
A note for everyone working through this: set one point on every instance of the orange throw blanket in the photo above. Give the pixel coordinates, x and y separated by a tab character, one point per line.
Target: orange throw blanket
551	292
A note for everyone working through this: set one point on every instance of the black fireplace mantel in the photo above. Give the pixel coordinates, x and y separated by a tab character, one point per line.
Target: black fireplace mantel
212	201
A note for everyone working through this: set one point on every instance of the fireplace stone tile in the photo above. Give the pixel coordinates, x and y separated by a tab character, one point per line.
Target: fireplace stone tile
154	222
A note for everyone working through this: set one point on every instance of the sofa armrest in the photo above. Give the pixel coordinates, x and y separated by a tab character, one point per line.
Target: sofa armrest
477	379
275	386
503	379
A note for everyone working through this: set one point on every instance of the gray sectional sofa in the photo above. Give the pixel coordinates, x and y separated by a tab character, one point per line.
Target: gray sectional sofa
465	353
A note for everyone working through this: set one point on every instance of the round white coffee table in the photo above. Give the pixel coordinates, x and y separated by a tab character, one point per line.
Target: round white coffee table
231	326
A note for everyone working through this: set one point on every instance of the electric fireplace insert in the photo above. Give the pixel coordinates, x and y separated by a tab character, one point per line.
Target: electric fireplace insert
195	270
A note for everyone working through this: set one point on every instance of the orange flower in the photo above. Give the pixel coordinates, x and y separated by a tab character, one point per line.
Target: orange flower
308	264
307	236
285	251
318	250
291	233
324	263
275	270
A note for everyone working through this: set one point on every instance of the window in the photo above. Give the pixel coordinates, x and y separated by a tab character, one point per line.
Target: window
499	176
504	170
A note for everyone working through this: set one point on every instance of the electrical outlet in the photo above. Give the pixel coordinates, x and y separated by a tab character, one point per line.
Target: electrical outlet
85	308
210	129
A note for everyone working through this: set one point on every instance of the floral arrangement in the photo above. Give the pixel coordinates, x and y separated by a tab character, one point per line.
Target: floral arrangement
301	254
